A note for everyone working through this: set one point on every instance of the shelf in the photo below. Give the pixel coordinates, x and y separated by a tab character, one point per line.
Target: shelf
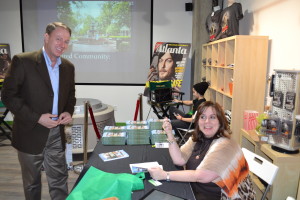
223	93
249	56
219	66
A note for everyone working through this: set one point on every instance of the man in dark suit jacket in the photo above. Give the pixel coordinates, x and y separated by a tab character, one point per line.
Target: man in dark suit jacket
39	90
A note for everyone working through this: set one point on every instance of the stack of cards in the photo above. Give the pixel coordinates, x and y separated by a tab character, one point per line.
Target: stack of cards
114	129
136	123
137	135
114	138
159	136
155	124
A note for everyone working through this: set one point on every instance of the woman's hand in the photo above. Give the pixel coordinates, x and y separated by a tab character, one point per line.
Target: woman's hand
176	100
153	74
167	126
179	117
157	173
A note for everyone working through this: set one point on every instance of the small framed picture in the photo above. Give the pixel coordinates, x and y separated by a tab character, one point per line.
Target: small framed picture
290	101
286	128
278	99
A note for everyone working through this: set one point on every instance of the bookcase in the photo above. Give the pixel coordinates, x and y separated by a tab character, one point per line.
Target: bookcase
241	62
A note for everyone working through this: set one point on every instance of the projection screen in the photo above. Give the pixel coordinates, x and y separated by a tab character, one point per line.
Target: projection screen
111	40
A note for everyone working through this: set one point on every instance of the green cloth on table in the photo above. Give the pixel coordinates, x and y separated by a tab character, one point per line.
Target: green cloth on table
97	184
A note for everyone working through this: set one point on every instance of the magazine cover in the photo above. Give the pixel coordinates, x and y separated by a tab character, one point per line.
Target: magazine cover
5	59
168	63
114	155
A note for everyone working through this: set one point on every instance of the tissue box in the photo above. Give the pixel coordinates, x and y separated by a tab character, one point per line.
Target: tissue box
250	121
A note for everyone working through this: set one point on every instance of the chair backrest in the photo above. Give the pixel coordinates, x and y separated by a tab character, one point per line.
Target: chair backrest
261	167
161	91
154	85
194	116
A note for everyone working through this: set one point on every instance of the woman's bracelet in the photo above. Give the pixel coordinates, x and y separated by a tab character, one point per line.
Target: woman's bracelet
168	176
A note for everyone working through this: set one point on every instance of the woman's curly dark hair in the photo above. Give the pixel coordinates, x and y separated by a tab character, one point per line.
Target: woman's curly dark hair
224	129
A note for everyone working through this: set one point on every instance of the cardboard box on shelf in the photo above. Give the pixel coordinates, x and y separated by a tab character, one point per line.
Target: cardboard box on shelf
250	121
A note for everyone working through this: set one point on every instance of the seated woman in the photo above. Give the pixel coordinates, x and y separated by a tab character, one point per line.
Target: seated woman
214	163
181	120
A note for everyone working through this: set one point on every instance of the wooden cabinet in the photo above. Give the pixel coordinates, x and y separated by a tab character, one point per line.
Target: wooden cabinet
287	179
239	60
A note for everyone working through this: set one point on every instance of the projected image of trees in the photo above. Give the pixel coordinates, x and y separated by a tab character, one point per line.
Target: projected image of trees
97	26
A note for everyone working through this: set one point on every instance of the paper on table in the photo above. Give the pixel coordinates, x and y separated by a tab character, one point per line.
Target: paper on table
161	145
113	155
143	167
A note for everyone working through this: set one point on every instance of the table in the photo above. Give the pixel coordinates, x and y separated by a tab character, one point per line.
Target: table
139	154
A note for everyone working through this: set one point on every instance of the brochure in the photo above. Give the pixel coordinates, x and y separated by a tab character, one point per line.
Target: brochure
143	167
113	155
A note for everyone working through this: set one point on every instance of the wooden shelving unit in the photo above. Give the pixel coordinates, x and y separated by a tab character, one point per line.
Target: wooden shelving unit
242	59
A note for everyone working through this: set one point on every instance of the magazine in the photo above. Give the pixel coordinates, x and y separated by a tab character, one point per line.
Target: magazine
5	59
168	63
113	155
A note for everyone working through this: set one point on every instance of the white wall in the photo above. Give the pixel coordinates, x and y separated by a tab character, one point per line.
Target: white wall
280	20
10	31
122	98
171	23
